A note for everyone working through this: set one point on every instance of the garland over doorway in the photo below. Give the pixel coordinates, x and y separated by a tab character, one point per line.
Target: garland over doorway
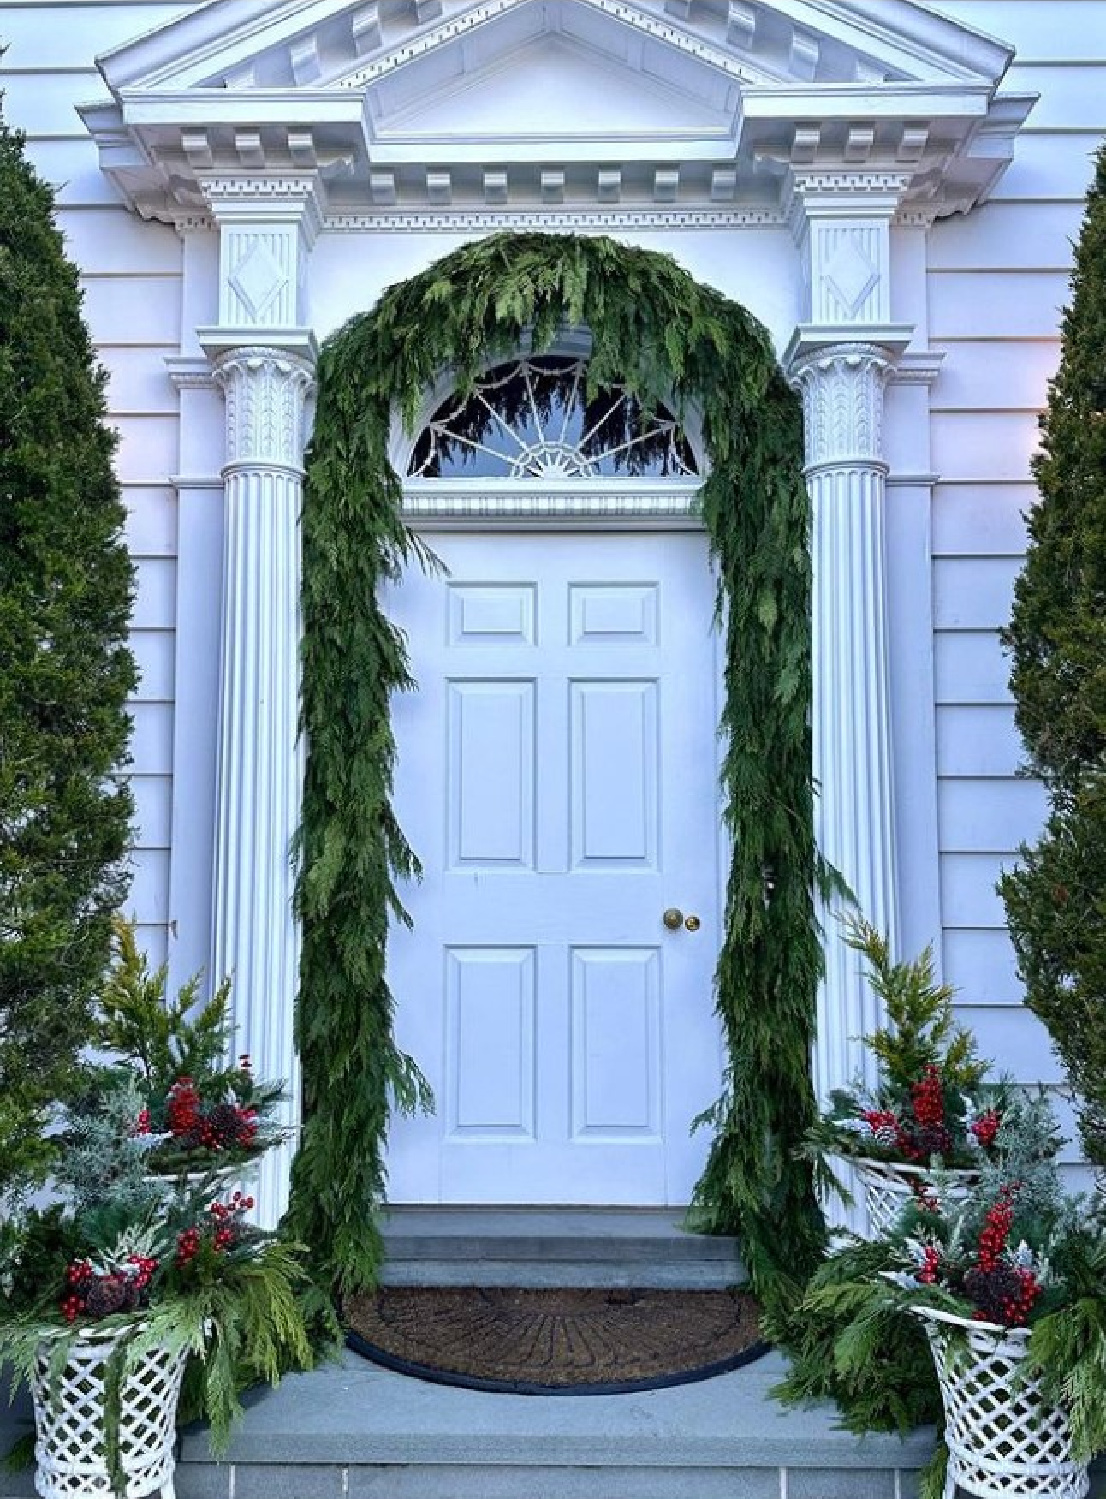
665	338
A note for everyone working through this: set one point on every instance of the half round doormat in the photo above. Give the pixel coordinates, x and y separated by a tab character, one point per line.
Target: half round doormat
577	1342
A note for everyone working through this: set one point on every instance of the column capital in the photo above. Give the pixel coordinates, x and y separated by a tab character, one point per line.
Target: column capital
266	391
842	389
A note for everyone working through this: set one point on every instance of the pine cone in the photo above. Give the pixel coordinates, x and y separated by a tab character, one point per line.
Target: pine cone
223	1120
106	1295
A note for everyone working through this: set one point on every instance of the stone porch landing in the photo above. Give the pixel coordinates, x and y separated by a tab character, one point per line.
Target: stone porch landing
352	1429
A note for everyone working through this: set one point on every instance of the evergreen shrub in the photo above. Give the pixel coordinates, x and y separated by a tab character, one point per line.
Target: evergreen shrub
66	585
1056	898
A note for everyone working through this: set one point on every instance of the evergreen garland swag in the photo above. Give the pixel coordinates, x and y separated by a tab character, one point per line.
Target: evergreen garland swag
667	338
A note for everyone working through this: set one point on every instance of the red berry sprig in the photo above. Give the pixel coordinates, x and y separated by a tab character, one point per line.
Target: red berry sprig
986	1127
146	1266
996	1229
183	1107
188	1245
928	1097
931	1262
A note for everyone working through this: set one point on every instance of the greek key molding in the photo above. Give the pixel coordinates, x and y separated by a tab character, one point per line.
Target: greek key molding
227	188
842	393
266	393
566	220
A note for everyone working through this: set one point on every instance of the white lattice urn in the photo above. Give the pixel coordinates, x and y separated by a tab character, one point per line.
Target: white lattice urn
71	1442
889	1186
1004	1438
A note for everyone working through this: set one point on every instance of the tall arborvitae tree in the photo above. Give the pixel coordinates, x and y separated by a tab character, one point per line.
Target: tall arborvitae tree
66	586
1056	899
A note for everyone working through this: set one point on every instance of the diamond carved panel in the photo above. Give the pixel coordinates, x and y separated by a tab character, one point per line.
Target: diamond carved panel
258	280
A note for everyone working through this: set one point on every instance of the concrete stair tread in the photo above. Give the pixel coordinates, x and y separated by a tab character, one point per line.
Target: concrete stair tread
355	1412
554	1247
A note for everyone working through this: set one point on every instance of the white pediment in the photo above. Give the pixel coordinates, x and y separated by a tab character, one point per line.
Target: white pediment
552	89
450	101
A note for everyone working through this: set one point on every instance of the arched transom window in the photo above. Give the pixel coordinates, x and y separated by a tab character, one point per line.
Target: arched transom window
532	418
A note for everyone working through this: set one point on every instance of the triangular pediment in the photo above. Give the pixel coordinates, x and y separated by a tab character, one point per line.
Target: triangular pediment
553	87
720	96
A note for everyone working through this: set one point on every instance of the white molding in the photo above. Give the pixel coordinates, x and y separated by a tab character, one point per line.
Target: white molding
602	502
568	220
190	372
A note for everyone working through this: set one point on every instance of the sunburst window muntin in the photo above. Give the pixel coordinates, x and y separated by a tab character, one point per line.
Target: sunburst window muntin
531	418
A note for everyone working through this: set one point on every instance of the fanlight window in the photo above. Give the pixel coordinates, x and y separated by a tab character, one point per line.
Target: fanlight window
532	419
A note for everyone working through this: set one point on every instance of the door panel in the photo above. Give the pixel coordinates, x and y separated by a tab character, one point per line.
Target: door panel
557	777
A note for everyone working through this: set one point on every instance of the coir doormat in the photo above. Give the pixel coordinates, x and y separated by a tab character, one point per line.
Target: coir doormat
592	1341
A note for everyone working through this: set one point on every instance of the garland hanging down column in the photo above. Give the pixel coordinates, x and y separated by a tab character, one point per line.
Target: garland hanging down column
666	337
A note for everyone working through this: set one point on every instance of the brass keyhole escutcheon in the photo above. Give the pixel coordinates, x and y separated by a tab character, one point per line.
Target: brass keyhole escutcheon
673	919
692	923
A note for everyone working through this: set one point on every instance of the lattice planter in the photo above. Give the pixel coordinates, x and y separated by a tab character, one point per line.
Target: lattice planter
71	1448
889	1186
1003	1437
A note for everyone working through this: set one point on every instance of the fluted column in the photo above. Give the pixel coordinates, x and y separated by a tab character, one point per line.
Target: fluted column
842	387
260	775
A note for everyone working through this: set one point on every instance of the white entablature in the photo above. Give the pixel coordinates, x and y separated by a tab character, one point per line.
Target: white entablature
464	106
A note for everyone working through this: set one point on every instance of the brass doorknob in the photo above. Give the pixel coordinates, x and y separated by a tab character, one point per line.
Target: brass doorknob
673	919
692	923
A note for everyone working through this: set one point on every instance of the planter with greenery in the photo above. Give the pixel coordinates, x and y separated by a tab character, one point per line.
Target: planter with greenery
929	1107
853	1338
1010	1285
135	1278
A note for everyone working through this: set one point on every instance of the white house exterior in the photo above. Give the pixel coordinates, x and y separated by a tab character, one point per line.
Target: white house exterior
891	188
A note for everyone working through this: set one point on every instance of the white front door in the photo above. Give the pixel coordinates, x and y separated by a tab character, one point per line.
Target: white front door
557	777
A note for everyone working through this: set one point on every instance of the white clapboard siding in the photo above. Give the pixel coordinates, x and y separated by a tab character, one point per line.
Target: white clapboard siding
151	520
1050	166
109	307
154	654
1037	28
988	816
971	520
973	593
1001	304
139	384
1003	234
148	446
152	811
978	741
152	739
1070	92
973	378
49	35
981	965
970	667
109	241
999	279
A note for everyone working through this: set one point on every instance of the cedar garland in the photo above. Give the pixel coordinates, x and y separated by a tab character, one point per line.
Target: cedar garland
668	339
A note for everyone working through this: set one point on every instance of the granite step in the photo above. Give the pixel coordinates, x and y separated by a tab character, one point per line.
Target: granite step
526	1247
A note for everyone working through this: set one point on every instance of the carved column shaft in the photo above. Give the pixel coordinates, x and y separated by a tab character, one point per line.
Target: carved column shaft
842	389
260	765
